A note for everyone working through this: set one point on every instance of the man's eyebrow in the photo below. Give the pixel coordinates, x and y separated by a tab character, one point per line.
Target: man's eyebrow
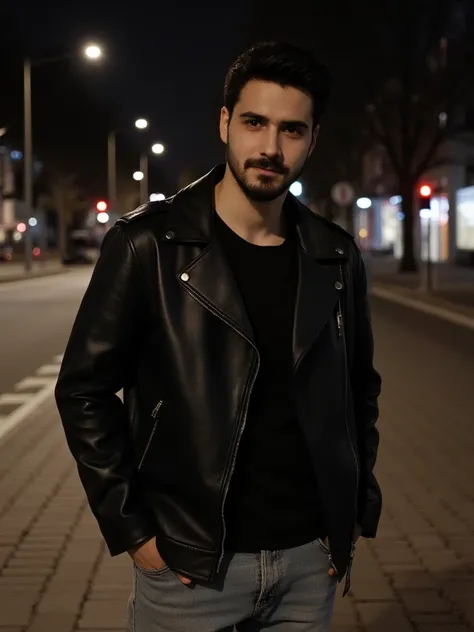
260	117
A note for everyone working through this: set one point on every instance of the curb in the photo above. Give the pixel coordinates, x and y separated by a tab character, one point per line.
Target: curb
433	310
28	277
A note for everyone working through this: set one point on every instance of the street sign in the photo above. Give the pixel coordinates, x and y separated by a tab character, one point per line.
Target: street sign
343	194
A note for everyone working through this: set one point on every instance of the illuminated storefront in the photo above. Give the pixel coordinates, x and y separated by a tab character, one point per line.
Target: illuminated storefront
379	228
465	219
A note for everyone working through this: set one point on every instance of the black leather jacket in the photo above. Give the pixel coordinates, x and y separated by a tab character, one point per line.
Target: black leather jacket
162	319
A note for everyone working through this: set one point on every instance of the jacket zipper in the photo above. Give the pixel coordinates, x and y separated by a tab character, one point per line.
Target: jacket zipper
242	420
230	471
154	416
341	331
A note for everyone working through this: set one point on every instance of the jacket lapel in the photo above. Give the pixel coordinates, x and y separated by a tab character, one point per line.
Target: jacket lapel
207	277
210	280
321	254
316	302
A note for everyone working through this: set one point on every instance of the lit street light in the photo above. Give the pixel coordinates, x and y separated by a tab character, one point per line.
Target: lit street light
138	176
92	52
364	203
140	124
296	189
156	148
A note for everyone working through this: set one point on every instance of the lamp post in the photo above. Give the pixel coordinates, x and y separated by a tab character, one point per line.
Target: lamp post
92	52
157	149
140	124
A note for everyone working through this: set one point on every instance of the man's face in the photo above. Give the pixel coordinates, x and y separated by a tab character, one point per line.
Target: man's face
269	138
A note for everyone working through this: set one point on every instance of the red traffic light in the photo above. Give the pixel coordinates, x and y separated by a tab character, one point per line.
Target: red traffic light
425	191
101	206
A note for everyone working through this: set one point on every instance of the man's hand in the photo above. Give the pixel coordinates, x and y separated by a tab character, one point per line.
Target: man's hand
146	557
355	537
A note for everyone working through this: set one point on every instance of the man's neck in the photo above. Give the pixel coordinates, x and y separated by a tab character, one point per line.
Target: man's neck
260	223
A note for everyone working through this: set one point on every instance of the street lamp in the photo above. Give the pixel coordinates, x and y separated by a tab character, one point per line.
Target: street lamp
364	203
296	189
140	124
92	52
158	149
138	176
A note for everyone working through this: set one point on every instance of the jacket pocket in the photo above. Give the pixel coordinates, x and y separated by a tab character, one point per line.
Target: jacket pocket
155	416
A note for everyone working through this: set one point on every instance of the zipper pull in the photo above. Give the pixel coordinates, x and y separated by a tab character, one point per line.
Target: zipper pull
339	321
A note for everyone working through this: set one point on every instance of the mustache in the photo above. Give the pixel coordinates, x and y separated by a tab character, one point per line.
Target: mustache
266	163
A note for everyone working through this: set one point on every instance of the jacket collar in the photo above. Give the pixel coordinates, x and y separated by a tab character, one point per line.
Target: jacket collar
190	220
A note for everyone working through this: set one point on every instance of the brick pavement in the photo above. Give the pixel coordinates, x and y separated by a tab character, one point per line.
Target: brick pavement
417	576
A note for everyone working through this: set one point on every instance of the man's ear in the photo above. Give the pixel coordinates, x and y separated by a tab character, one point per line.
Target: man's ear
224	124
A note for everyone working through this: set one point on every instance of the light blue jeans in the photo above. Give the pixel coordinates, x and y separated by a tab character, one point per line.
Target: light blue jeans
287	591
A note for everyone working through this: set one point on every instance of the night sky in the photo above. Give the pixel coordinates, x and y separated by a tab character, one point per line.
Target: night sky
167	62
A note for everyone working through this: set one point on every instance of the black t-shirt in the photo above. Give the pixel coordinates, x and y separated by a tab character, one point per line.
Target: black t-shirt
272	502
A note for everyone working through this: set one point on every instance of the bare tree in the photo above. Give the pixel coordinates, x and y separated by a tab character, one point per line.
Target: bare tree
421	103
66	198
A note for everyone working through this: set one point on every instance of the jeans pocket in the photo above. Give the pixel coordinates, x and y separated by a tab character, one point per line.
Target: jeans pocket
326	551
324	547
153	572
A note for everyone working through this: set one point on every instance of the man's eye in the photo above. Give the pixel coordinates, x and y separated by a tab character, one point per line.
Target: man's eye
293	131
253	123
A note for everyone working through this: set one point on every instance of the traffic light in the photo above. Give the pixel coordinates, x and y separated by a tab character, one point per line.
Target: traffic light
424	197
101	206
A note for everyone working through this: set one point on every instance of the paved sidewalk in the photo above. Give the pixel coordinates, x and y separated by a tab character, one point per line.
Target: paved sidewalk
16	271
418	575
453	286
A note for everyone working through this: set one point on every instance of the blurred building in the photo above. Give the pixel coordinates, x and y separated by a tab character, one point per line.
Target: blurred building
451	221
12	208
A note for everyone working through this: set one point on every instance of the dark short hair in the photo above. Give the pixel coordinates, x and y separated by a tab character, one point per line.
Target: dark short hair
282	63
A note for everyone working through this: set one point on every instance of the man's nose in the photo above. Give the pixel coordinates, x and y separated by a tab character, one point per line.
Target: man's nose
271	146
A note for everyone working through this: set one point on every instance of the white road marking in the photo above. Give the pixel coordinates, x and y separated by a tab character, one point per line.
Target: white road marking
48	369
44	381
32	382
15	398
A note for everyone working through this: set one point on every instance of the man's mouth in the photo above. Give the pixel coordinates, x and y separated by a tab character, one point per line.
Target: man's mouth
268	169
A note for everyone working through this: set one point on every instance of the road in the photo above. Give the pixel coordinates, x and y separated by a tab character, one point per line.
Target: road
35	321
417	576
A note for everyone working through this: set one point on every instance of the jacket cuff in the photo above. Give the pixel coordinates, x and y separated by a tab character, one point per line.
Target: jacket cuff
369	517
126	533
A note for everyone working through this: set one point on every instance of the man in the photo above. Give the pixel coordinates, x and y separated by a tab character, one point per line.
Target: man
238	472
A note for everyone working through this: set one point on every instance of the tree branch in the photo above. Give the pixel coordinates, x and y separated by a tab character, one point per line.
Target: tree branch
430	154
384	139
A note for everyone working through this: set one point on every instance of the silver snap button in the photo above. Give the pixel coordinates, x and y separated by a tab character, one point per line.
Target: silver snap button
185	277
338	285
339	251
169	235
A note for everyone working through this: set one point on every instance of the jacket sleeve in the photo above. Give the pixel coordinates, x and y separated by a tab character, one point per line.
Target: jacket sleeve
366	388
93	371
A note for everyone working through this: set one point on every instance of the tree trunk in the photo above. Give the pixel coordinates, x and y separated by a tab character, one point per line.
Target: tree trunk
408	262
62	234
